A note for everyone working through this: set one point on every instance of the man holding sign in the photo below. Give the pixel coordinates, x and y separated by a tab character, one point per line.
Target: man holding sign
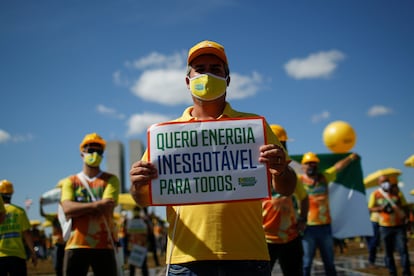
207	236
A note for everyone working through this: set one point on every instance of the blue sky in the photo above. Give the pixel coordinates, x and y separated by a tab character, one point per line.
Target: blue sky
114	67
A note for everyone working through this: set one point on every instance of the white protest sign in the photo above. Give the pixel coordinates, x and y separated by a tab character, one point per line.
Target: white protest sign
207	161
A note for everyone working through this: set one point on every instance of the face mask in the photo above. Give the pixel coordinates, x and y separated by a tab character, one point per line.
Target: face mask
311	171
208	87
386	186
92	159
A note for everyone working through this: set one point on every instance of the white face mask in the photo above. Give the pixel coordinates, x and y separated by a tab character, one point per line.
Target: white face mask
386	186
207	86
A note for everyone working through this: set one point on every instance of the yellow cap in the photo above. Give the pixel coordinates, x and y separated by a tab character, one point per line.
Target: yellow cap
310	157
207	47
92	138
6	187
280	132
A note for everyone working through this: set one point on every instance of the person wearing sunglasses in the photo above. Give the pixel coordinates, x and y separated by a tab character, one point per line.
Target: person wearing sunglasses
89	198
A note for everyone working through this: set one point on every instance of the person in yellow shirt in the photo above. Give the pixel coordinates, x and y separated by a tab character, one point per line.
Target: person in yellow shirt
392	208
14	229
217	238
284	220
89	198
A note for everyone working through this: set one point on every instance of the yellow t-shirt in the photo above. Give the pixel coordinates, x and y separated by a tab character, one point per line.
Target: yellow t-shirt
11	232
90	231
217	231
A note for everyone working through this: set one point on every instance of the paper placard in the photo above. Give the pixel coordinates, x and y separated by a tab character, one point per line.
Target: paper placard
207	161
137	255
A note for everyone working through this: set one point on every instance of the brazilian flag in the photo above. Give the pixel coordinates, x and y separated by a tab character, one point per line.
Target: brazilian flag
347	198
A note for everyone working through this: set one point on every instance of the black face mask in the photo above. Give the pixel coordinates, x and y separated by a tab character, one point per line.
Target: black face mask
311	171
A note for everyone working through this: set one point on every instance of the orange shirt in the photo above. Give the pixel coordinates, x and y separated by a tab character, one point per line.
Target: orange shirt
280	216
90	231
395	218
318	193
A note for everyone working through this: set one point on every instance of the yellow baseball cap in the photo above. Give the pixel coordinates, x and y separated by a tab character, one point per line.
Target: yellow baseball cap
207	47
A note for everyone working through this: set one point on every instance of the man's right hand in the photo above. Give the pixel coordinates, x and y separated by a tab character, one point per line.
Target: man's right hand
141	174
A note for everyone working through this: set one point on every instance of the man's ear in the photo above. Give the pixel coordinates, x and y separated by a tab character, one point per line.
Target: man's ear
187	81
228	80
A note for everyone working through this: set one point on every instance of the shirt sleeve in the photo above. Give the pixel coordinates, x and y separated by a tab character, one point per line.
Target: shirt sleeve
371	202
145	156
67	190
330	174
112	188
300	191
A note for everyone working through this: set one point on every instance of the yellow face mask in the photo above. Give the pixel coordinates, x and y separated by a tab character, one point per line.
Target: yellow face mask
208	87
92	159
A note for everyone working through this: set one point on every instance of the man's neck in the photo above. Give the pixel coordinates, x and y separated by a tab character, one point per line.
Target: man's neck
91	172
208	110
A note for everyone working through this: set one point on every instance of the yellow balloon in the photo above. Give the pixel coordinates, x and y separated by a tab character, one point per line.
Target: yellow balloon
339	137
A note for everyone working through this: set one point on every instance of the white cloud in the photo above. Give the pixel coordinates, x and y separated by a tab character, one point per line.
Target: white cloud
163	86
318	65
119	79
157	60
379	110
109	112
139	123
6	137
320	117
244	86
22	138
162	80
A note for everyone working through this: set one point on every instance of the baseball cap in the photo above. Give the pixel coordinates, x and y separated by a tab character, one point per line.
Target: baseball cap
207	47
92	138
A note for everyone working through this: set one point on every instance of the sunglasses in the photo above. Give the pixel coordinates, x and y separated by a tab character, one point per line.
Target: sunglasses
92	150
